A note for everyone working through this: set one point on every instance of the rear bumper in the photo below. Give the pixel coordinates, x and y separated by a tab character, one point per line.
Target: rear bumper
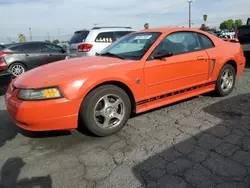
246	47
241	66
58	114
5	79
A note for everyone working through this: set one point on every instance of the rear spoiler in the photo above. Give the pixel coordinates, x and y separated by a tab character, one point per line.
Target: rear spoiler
232	40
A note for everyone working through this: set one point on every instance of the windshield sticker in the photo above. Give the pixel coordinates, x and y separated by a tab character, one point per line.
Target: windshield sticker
143	37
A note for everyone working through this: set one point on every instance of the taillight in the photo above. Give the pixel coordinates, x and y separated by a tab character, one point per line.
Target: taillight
3	65
84	47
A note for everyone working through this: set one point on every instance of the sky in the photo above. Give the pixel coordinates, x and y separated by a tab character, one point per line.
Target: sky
60	18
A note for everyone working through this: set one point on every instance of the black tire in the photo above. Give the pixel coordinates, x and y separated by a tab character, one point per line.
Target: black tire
87	110
17	64
218	89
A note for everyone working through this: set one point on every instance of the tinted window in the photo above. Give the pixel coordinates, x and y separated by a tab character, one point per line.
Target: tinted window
206	42
119	34
32	47
79	37
105	37
1	47
50	48
15	47
178	43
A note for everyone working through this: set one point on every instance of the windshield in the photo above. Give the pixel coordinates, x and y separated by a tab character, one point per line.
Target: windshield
79	37
132	46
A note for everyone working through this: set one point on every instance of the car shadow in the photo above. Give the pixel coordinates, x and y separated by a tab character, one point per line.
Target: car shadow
10	172
215	157
8	130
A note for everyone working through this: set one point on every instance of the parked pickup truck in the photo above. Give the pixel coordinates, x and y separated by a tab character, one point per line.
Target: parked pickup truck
243	35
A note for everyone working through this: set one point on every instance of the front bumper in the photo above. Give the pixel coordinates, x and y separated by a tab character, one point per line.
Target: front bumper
5	79
47	115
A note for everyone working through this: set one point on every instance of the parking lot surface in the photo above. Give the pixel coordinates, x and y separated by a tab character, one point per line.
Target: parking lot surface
200	142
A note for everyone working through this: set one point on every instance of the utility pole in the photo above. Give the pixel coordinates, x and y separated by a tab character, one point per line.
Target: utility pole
190	23
58	35
30	34
48	36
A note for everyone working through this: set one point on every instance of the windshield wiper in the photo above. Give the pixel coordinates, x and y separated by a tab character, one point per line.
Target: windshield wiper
111	55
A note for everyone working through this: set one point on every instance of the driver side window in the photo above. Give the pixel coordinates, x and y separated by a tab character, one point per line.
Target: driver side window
179	43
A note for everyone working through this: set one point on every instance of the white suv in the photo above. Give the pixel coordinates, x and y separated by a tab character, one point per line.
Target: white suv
90	42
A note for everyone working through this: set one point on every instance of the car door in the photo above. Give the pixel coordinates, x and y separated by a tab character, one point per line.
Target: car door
31	55
188	66
52	52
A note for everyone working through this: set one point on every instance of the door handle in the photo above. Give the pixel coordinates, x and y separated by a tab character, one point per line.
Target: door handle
49	54
201	58
26	55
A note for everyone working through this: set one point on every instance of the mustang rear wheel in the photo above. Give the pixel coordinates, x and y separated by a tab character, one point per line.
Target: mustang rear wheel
105	110
226	80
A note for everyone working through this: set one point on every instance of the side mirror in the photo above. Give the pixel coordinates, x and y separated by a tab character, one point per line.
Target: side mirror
161	55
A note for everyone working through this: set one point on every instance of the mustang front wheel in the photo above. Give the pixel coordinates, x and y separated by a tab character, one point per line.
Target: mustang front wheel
105	110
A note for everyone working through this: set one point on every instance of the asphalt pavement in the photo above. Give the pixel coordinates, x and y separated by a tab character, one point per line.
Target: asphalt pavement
200	142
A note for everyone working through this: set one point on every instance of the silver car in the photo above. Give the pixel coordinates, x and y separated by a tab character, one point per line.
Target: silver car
21	57
90	42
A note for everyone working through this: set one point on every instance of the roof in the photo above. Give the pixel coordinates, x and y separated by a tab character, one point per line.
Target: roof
171	29
30	42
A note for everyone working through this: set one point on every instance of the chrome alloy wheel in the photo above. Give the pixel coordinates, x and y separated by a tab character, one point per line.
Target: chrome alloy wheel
109	111
17	70
227	80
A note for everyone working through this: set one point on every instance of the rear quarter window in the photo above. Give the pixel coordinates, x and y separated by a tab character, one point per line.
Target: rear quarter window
16	48
105	37
206	41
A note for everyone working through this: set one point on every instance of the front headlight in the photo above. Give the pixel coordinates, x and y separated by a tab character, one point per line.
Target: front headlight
40	94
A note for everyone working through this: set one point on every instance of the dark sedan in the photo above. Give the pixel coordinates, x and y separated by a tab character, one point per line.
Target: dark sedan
21	57
5	76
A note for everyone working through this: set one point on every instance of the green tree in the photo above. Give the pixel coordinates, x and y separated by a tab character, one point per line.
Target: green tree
48	41
22	38
55	41
204	27
230	24
237	23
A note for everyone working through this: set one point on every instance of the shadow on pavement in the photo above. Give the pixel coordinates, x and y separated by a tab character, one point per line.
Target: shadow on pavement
8	130
216	157
10	172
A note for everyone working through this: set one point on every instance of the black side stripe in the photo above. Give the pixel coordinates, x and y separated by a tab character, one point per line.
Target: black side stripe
174	93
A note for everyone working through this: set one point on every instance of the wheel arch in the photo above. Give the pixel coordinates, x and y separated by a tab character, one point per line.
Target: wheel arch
14	62
121	85
233	63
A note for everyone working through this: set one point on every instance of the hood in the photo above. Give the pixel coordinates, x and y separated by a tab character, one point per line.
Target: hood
59	71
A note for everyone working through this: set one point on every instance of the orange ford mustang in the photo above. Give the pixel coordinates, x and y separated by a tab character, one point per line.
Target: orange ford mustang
139	72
